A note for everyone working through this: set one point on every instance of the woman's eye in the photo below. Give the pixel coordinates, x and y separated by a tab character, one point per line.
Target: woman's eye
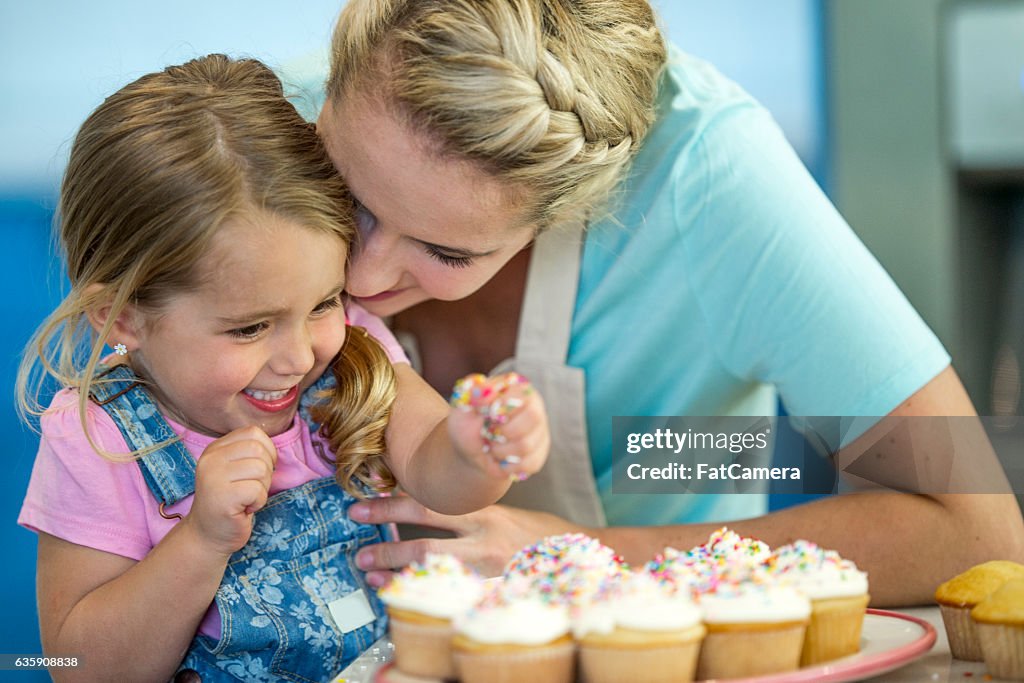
249	331
449	260
328	305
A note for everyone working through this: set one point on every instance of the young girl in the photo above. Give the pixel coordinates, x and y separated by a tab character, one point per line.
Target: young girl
206	234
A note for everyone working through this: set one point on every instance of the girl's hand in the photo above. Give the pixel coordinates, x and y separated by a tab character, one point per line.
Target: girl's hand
232	483
500	424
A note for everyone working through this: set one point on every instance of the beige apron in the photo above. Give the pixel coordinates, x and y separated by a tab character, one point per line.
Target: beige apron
565	486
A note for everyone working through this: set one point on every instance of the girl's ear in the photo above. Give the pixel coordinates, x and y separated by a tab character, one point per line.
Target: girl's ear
125	325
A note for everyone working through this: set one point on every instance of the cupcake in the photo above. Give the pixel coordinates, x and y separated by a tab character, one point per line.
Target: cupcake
422	600
1000	627
638	629
508	639
567	569
958	596
838	592
752	629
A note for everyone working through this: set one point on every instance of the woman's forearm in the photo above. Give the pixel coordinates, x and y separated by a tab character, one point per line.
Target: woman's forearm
908	544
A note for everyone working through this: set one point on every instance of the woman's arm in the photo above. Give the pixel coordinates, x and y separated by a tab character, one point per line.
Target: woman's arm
907	543
436	452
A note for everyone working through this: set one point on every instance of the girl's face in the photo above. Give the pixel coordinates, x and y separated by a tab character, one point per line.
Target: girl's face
430	228
263	324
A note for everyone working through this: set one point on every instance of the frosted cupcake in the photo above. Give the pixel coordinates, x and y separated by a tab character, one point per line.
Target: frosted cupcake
512	640
422	600
567	569
1000	622
641	630
726	558
752	629
838	592
958	596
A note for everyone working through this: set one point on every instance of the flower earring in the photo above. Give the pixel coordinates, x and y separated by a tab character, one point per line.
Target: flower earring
120	349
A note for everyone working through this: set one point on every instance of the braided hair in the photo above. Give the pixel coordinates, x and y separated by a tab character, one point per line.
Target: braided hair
552	97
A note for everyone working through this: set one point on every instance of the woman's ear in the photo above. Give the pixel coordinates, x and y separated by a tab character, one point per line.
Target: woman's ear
125	325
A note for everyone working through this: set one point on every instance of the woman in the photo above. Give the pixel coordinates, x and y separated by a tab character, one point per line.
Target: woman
712	277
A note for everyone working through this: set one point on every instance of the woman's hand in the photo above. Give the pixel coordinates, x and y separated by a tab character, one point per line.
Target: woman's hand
232	483
500	424
485	539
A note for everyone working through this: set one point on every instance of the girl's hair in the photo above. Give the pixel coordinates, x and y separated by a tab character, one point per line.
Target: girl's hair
550	96
153	173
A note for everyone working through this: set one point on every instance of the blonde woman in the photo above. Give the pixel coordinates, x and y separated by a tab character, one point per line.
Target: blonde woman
185	509
544	185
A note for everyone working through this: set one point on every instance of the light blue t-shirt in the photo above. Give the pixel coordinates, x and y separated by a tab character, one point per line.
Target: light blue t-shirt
725	280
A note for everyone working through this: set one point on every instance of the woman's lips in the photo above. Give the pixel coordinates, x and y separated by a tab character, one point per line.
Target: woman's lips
274	405
383	296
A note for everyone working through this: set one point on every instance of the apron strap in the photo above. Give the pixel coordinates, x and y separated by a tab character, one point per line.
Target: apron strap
545	322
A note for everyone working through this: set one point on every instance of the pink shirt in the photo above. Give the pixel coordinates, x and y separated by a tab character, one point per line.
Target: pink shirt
79	496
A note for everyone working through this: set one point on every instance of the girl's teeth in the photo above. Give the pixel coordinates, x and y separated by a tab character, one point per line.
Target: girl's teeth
266	395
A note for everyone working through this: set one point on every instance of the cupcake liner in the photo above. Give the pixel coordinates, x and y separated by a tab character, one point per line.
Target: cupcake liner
423	649
734	651
834	630
961	633
1002	647
662	664
552	663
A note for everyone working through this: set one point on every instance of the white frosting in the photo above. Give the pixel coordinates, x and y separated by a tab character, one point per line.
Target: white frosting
439	587
754	603
528	621
829	582
818	573
641	604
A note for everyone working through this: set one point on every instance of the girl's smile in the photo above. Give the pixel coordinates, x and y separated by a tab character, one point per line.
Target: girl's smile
272	401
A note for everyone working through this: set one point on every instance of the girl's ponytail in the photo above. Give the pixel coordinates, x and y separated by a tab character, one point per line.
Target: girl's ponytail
356	412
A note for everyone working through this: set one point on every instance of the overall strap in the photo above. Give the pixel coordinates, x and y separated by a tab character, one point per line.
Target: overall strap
170	470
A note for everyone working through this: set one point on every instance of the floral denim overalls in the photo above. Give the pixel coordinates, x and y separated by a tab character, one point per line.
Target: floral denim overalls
292	603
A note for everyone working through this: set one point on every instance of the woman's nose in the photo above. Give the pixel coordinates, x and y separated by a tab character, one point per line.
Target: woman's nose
375	265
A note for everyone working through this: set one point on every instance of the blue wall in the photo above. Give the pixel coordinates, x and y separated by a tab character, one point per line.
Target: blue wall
58	60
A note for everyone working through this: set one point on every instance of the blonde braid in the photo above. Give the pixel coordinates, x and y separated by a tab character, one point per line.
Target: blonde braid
551	96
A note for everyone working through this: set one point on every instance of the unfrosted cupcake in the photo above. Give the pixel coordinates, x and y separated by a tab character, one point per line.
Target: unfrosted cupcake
567	569
752	629
638	629
958	596
422	600
508	639
1000	622
838	592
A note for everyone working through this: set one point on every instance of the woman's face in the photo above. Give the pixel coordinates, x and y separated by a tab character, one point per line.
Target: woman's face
430	228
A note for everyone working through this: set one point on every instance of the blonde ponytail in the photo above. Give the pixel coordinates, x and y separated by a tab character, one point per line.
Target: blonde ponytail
355	413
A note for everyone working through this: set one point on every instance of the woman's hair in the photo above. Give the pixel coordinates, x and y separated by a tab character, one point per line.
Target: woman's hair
153	174
550	96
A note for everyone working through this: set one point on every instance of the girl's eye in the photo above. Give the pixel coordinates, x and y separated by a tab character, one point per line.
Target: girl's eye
249	331
448	259
328	305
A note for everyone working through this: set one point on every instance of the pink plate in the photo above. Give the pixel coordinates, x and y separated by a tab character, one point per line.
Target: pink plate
889	640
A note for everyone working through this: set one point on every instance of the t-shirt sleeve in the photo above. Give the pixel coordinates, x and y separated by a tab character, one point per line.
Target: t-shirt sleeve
358	315
787	290
80	496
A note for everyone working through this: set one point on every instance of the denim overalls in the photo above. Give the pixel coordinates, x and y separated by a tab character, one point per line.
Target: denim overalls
284	593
